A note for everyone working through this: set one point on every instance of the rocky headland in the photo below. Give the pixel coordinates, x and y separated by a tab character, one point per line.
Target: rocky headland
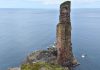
43	60
58	57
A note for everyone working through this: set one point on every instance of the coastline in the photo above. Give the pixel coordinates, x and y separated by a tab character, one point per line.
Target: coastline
47	57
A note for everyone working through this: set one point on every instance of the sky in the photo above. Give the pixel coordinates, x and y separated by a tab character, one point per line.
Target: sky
48	3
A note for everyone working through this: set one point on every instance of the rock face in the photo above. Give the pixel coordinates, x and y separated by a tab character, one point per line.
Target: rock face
49	56
63	36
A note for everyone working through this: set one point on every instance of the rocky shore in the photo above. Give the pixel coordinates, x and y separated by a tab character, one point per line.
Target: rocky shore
43	60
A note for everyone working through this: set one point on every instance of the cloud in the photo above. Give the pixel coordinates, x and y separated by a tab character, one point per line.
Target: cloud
57	2
85	1
75	3
46	2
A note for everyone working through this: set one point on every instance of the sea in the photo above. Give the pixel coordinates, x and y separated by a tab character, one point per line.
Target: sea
23	31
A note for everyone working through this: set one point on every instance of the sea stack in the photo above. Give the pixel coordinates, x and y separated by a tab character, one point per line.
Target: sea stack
63	36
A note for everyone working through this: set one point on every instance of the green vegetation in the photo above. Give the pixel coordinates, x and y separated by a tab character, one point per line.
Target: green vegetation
41	66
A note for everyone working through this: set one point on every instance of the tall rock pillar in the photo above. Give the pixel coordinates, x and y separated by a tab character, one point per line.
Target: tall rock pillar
63	37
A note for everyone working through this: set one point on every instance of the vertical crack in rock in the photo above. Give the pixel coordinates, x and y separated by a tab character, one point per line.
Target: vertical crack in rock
63	37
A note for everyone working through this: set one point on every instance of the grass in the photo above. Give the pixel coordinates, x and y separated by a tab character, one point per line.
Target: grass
41	66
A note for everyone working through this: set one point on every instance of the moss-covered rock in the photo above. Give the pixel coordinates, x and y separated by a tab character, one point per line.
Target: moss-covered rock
41	66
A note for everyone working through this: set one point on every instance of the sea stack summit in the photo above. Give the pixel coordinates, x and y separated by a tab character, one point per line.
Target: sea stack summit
63	36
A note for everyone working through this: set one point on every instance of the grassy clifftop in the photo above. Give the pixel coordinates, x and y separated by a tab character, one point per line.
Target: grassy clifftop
41	66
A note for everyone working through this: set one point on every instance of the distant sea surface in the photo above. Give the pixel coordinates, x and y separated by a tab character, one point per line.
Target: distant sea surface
25	30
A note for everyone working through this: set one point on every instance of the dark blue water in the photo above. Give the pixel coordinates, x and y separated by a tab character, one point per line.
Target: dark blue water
25	30
85	37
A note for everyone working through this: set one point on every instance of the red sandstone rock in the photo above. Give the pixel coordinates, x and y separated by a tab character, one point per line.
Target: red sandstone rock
64	49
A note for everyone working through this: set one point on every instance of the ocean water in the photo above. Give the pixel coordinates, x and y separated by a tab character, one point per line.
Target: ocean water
25	30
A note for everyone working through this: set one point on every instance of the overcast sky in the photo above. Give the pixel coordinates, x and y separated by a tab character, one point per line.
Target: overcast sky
47	3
